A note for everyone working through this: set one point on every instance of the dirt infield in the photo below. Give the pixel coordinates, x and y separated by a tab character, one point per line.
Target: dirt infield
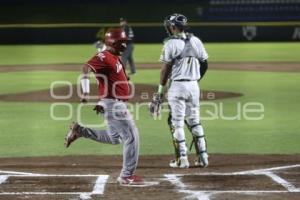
143	93
245	66
94	177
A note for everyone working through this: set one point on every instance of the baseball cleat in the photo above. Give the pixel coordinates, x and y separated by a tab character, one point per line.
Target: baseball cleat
202	161
183	163
72	135
174	164
130	180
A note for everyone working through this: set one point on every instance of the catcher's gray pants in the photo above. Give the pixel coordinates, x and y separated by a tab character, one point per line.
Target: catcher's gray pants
127	56
121	129
183	98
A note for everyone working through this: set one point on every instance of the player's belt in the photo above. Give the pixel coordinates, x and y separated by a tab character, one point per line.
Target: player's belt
115	99
183	80
123	100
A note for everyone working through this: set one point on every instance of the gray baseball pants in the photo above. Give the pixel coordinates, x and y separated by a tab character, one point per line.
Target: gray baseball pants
121	129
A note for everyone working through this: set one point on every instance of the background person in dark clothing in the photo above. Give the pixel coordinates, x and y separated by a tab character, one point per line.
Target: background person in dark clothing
127	54
99	44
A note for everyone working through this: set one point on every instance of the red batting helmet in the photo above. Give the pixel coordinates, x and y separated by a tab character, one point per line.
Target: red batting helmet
116	38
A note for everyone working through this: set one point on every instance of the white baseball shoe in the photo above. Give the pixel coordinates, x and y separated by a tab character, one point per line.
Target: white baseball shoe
183	163
174	164
202	161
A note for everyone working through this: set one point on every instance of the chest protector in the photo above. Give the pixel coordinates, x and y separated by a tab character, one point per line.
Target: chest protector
188	50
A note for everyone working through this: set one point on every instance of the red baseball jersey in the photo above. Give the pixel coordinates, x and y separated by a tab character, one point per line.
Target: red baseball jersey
111	76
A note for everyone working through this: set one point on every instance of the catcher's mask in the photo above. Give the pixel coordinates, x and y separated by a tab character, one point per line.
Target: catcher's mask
177	20
116	39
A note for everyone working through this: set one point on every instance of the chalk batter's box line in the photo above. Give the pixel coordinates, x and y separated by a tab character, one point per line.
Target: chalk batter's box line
98	189
248	172
175	179
54	175
102	185
43	193
204	191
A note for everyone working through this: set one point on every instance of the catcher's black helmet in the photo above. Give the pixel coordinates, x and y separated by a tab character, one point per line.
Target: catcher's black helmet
177	20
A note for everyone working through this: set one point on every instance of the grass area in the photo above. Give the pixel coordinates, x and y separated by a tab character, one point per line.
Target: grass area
33	80
28	130
224	52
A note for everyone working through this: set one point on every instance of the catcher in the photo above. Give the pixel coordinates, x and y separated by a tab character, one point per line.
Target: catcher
184	64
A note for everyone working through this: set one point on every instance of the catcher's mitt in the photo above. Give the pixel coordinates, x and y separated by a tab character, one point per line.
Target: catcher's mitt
155	105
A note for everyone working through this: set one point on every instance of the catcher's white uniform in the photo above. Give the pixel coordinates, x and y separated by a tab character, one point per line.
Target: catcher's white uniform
184	52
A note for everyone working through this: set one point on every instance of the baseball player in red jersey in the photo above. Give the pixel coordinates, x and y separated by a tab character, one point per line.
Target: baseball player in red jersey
114	91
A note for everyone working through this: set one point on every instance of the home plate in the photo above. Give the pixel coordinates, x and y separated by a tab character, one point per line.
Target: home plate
144	184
